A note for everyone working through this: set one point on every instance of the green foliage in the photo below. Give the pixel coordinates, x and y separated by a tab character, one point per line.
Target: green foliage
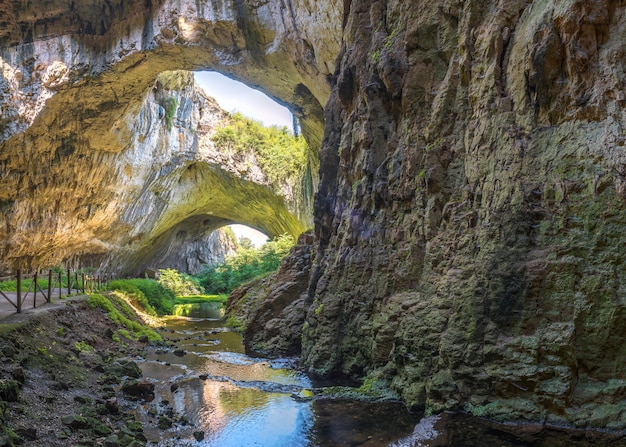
199	299
234	323
179	284
280	154
147	294
116	308
247	264
27	284
83	346
170	105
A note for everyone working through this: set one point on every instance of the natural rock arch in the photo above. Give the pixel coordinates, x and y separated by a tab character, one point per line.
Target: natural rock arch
74	82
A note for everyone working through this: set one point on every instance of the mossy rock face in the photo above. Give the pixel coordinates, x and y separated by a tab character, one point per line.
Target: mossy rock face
9	390
123	368
471	240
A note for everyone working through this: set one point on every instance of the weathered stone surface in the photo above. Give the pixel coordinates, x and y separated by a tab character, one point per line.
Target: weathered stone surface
73	89
471	208
272	309
155	204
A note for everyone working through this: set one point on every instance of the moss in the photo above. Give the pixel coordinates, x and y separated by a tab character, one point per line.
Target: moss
82	346
136	328
235	323
170	105
175	80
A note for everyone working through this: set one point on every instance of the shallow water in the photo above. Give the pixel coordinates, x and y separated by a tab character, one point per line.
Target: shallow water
208	385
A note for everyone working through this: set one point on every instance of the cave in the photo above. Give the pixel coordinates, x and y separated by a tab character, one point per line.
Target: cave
465	188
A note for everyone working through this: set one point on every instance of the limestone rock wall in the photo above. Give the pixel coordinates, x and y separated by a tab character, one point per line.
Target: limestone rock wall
271	309
190	249
74	122
471	213
126	211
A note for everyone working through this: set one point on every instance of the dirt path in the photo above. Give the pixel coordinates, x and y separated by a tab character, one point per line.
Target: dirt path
29	305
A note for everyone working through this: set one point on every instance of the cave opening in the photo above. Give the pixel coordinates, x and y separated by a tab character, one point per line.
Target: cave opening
233	156
235	96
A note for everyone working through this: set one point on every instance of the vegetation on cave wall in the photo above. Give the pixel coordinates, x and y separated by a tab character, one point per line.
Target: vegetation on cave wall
247	264
281	155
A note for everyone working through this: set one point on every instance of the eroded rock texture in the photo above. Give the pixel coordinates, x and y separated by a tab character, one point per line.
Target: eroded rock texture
470	216
272	309
471	210
74	79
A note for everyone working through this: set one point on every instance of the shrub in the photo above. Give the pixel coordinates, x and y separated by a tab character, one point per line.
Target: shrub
147	294
280	154
247	264
178	283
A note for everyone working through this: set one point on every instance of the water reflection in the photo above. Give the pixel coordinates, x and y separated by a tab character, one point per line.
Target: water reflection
217	396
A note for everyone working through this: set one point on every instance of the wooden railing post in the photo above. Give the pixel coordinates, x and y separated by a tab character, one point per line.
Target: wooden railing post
69	282
83	276
19	291
35	292
60	284
76	283
49	299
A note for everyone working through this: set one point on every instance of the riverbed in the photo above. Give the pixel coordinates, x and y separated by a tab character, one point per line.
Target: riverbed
209	393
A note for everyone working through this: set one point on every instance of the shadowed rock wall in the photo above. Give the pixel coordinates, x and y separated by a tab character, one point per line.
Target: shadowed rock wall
471	213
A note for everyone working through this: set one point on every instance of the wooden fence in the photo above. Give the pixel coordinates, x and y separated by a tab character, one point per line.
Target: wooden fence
74	282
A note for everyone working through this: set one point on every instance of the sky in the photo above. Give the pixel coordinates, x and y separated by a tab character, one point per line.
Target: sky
235	96
257	238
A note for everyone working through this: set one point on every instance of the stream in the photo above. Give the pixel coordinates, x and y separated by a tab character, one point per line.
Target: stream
209	393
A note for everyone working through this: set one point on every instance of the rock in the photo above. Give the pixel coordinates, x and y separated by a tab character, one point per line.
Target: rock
123	368
9	390
28	434
111	405
198	435
112	441
143	339
9	352
138	388
273	308
75	421
165	423
98	427
174	387
19	374
82	399
180	352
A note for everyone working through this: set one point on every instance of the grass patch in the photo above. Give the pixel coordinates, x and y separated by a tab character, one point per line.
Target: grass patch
146	294
7	328
82	346
117	310
27	284
200	299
